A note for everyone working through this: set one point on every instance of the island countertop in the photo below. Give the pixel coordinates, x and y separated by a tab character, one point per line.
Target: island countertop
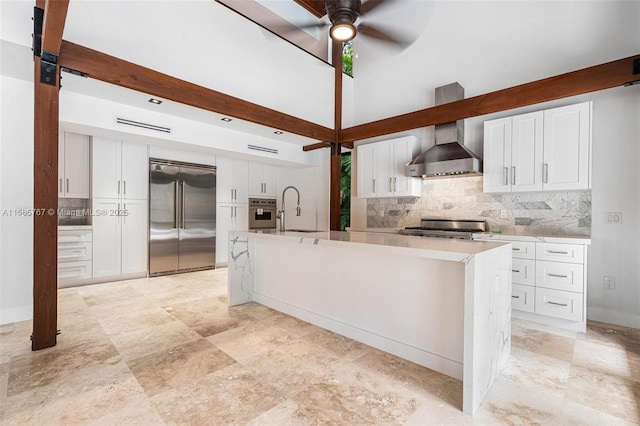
451	249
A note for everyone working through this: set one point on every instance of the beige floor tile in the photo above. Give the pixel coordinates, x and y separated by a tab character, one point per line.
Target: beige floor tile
153	339
339	346
544	343
84	399
510	403
134	320
231	395
578	414
247	346
608	359
538	373
15	340
177	366
208	316
35	370
609	394
620	337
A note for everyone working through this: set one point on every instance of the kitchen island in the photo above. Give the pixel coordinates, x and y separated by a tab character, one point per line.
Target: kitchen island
441	303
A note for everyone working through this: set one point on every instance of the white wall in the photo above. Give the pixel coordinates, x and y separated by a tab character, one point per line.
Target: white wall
207	44
16	192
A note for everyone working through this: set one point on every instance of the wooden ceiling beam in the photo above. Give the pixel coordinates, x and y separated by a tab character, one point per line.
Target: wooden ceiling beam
599	77
110	69
55	16
315	7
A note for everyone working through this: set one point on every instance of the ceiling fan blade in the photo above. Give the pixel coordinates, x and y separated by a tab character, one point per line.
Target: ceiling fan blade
370	5
382	35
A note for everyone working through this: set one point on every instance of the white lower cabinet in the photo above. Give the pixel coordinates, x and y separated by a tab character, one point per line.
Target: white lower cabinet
229	217
75	252
560	304
522	297
548	281
120	238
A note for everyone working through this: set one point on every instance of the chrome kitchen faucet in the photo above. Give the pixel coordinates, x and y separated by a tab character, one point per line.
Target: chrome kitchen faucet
280	213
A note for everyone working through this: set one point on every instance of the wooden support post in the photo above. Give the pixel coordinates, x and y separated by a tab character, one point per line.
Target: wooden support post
336	159
45	170
45	226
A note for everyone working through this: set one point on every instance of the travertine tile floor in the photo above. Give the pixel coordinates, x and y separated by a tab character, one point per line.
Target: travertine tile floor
168	350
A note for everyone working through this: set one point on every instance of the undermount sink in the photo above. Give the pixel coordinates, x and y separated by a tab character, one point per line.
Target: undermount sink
303	230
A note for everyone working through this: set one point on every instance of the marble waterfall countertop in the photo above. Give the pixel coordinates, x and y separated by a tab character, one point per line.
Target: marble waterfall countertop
441	303
433	248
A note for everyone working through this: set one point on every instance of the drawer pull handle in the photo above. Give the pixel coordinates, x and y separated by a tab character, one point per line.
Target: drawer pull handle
515	249
557	276
557	304
515	270
515	297
557	252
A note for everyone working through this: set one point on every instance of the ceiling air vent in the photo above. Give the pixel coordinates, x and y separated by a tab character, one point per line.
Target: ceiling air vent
263	149
143	125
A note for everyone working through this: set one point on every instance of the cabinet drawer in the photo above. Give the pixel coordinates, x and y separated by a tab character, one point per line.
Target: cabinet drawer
69	252
523	271
523	250
560	304
560	276
69	272
74	236
522	297
572	253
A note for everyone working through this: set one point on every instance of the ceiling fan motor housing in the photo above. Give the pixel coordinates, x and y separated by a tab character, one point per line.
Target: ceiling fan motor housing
343	10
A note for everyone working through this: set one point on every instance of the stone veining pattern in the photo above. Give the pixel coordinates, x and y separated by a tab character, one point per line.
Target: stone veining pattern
565	213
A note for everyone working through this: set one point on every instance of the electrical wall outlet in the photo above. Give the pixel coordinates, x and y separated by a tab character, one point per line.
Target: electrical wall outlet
614	218
503	214
609	282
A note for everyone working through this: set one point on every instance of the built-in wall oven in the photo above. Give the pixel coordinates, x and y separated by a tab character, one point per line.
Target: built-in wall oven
262	213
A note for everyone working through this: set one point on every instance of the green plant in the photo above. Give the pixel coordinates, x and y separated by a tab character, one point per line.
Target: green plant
345	191
347	58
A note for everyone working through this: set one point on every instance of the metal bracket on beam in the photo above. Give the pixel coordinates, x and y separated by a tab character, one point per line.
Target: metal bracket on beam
49	68
636	70
38	19
74	72
336	148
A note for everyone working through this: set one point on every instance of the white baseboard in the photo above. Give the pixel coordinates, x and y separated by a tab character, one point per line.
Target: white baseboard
617	318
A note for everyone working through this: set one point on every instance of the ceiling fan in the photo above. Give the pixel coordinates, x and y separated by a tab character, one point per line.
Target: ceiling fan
344	14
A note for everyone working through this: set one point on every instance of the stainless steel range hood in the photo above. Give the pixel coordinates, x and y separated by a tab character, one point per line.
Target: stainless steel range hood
448	157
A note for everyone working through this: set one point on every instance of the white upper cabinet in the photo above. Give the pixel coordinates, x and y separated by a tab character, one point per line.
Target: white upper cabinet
74	175
513	153
366	173
232	180
544	150
120	169
262	180
567	147
380	171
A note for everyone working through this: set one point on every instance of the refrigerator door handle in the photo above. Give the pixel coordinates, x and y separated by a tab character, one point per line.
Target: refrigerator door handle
183	208
175	204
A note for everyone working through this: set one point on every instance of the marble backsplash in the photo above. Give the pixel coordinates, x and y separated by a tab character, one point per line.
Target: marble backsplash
565	213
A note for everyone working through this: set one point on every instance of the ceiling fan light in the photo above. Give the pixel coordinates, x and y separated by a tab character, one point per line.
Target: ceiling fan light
343	31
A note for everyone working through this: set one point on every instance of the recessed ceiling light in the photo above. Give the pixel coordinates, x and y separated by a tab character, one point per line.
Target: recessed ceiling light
155	101
226	119
278	132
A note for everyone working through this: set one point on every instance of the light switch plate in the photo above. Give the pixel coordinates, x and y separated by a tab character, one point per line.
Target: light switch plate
614	218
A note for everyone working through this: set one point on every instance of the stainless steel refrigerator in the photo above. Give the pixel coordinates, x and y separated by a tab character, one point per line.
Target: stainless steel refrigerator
182	217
